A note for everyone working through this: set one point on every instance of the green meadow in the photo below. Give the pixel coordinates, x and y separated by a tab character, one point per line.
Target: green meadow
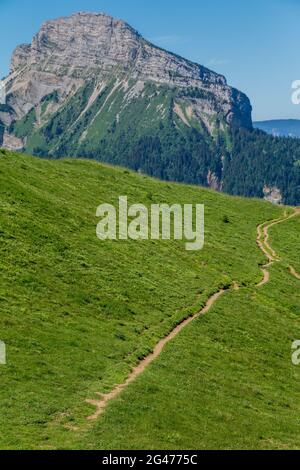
226	381
77	314
285	240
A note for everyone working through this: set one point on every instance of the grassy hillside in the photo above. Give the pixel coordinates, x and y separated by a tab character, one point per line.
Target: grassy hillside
167	132
226	382
77	314
129	126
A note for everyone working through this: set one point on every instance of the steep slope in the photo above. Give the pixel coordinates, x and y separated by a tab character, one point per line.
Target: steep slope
89	85
68	52
280	127
78	314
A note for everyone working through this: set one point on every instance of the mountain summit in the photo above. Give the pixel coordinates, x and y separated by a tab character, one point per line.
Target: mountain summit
90	85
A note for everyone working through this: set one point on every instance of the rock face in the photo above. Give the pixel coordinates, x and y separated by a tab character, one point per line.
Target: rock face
273	195
213	181
69	51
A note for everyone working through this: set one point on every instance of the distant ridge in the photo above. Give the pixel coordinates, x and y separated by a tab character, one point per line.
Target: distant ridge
280	127
90	85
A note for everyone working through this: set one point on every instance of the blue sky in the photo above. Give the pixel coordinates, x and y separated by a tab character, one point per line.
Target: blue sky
253	43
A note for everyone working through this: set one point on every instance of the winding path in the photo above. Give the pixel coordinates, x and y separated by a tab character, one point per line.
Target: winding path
294	272
263	243
104	399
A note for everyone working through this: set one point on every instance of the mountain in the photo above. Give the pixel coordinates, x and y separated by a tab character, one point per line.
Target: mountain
78	314
90	85
85	75
280	127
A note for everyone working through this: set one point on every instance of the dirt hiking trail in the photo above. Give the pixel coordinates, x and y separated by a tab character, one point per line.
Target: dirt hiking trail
263	244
